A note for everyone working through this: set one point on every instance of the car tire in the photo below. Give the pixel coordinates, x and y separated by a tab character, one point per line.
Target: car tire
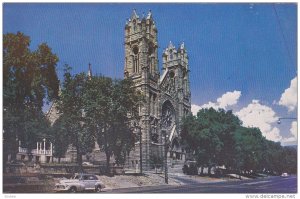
73	190
98	189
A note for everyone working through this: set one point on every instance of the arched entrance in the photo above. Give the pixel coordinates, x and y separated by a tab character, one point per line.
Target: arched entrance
169	127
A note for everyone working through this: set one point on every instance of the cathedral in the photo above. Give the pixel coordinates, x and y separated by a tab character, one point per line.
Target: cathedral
168	96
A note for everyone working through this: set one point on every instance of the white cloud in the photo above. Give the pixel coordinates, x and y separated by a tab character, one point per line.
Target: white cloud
229	99
210	105
226	100
195	108
262	117
294	129
293	134
273	135
289	96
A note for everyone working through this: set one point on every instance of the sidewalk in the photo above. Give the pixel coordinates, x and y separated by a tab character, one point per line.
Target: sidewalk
152	179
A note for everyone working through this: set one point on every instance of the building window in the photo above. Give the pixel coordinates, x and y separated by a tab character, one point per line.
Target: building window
171	54
135	51
134	25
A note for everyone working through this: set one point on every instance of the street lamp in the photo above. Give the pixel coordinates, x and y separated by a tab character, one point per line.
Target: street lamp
141	159
166	156
139	132
285	118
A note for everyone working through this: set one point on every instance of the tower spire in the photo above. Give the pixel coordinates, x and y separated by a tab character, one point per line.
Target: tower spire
134	14
149	16
90	71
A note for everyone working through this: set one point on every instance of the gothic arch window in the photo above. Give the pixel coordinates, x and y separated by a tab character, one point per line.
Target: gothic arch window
134	25
171	54
168	115
135	51
150	56
150	49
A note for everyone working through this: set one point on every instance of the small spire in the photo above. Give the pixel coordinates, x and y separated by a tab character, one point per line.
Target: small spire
170	45
90	71
134	14
182	45
149	16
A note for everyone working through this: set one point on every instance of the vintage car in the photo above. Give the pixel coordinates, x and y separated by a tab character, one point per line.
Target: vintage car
78	183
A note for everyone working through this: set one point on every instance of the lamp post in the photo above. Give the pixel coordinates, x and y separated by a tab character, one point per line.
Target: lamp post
166	157
141	152
285	118
139	133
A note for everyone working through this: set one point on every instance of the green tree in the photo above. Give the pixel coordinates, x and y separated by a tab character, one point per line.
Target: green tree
210	136
59	137
71	107
290	155
249	144
109	107
29	77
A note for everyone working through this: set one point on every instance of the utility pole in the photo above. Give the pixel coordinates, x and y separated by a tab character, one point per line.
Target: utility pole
166	157
285	118
141	152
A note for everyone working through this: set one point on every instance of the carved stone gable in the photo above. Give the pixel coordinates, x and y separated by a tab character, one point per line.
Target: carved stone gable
168	84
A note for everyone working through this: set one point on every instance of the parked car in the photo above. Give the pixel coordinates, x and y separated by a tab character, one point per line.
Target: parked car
284	175
78	183
87	164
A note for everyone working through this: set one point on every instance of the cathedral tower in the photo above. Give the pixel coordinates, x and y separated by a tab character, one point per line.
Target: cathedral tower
141	46
141	64
175	64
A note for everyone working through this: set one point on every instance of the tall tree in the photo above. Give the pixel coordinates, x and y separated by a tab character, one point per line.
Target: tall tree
202	134
109	107
249	149
29	77
60	137
71	106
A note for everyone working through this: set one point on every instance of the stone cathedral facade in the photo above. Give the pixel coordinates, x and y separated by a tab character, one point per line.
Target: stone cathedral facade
168	96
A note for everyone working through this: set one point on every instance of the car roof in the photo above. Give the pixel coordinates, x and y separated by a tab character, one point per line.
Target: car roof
84	174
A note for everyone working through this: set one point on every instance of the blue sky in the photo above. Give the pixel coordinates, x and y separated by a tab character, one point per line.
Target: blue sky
246	53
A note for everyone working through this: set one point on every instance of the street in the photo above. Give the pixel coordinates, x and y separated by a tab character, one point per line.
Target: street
263	185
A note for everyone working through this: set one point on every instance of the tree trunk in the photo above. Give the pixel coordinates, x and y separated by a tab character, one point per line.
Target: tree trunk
79	159
107	162
201	172
209	170
107	153
5	160
58	159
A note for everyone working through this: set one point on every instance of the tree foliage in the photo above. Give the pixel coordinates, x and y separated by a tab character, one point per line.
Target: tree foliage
109	107
29	77
60	137
96	109
71	107
218	138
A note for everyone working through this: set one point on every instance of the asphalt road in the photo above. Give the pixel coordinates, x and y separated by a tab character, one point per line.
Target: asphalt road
263	185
